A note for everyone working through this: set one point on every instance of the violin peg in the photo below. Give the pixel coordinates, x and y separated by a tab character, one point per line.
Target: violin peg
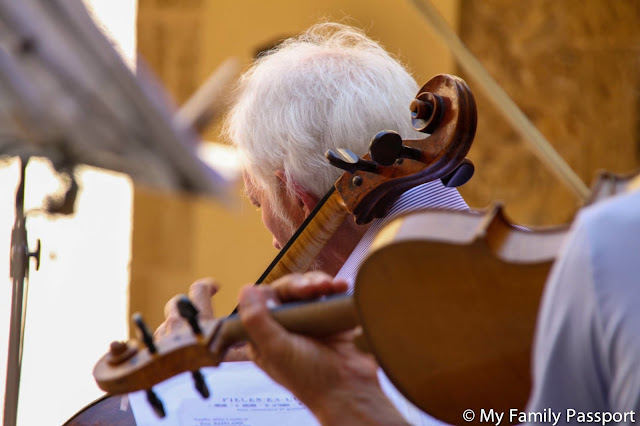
190	313
342	159
156	403
117	348
386	147
200	384
147	337
427	111
350	162
119	352
460	175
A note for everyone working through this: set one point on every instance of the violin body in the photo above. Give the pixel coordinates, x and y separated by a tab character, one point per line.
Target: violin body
460	294
107	410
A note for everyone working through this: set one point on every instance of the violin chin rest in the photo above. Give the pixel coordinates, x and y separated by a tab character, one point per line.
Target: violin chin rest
460	175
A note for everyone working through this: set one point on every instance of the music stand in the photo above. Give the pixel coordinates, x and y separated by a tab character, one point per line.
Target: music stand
67	95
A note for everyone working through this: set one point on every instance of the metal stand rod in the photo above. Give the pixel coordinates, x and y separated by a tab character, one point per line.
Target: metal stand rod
19	274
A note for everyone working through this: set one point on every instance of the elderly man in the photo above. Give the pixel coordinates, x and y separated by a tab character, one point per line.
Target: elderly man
331	87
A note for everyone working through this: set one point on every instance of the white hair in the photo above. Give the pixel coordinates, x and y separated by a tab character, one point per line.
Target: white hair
331	87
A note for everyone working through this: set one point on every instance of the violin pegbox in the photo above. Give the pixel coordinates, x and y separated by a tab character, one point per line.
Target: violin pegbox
445	109
137	365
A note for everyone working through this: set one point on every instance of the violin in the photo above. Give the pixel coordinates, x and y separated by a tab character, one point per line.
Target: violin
465	289
461	291
444	108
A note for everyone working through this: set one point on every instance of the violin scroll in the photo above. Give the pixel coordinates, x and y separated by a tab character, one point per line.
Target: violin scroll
445	108
137	365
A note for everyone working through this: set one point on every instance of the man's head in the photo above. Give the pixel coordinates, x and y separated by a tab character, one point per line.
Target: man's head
331	87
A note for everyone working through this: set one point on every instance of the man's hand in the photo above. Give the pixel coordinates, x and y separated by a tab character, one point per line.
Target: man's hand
200	294
331	376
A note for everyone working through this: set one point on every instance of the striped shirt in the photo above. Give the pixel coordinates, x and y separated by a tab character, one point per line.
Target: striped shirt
428	195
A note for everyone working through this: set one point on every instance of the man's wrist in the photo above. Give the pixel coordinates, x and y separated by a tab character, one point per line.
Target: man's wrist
360	405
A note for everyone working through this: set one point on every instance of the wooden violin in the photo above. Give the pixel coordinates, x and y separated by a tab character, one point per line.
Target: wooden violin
444	108
478	280
468	286
460	292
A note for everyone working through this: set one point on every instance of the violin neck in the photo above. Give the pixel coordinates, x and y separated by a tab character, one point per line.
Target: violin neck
319	318
302	249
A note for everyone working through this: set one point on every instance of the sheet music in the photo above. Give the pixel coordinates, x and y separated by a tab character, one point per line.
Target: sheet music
241	395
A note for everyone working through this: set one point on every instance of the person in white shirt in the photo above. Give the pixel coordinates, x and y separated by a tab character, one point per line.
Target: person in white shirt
587	346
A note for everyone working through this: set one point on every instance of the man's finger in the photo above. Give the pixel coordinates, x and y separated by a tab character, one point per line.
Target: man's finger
171	323
171	307
308	286
200	294
262	329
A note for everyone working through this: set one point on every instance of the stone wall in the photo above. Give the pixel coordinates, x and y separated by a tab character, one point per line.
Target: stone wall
170	42
573	68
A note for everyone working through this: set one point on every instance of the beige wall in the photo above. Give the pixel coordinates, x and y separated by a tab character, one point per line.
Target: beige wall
184	41
177	239
573	67
233	28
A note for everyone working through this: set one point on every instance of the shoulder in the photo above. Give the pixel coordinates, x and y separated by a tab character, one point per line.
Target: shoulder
610	229
616	213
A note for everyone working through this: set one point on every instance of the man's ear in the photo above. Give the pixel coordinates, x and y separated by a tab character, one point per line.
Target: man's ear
305	199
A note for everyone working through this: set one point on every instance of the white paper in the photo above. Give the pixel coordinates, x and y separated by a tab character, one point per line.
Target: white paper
241	395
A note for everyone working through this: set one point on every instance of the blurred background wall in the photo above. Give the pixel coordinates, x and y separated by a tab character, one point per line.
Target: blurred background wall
571	66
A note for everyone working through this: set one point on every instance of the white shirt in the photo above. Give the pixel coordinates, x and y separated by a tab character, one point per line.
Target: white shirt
587	345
